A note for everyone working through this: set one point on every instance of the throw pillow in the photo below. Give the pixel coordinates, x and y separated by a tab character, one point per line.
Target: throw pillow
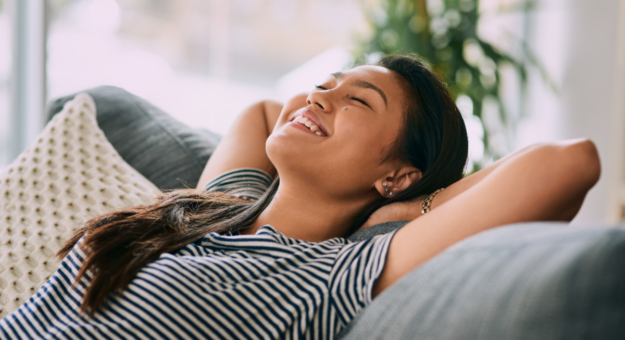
69	175
167	152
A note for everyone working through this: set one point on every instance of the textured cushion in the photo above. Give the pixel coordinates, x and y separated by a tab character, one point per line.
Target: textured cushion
378	229
524	281
167	152
70	174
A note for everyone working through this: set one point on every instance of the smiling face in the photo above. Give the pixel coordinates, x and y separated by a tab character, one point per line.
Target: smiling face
334	140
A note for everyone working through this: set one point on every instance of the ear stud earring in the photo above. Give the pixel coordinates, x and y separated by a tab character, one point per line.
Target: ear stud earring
344	108
386	188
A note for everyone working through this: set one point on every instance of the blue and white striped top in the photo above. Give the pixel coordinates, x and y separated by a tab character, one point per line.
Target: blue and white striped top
262	286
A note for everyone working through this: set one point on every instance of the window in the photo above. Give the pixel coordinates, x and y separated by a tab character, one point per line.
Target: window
201	61
5	70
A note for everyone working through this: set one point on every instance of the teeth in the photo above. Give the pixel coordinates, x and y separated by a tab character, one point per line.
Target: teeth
309	124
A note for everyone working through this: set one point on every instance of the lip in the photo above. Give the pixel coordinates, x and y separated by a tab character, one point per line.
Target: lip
308	113
303	127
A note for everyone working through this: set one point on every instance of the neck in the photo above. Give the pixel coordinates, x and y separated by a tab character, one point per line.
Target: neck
310	217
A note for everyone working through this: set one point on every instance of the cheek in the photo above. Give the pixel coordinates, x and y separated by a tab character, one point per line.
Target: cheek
358	153
363	144
345	164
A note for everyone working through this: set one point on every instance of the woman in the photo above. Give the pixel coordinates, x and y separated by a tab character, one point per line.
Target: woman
372	144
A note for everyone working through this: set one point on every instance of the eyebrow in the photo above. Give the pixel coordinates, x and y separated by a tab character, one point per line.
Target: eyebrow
364	84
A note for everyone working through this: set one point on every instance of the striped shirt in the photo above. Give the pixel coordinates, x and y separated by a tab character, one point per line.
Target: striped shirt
262	286
245	183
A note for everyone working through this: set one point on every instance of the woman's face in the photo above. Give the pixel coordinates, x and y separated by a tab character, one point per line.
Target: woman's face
335	139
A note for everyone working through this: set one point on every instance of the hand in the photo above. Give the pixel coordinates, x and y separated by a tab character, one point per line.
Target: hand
398	211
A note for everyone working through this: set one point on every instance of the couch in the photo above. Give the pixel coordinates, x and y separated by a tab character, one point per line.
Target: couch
524	281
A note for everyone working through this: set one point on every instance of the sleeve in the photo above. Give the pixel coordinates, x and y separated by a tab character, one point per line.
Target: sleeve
244	183
356	269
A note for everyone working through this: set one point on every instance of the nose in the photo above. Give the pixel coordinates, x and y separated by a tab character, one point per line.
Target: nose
320	100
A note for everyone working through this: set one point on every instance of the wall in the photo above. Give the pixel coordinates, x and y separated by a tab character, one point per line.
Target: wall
577	41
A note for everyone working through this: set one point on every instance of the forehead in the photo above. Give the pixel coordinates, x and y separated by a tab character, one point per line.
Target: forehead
385	79
370	70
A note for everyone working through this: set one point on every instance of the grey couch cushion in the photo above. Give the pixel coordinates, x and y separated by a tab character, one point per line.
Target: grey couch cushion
377	229
168	153
524	281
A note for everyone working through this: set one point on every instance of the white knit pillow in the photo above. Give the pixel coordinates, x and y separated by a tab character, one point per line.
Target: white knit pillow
71	174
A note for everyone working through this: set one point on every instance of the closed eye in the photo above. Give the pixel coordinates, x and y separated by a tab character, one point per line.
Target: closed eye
360	100
350	97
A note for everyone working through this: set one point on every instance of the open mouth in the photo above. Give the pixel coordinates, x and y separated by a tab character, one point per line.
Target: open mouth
311	125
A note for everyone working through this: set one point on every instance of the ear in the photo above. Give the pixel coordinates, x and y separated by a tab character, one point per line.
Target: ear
398	180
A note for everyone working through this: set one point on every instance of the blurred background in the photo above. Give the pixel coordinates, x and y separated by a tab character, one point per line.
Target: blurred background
521	71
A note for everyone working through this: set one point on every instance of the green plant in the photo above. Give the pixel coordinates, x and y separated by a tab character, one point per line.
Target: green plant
444	32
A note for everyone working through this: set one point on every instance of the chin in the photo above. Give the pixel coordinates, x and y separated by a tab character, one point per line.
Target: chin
294	158
284	151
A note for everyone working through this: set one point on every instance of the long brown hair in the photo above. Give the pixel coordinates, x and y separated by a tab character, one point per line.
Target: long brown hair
117	245
120	243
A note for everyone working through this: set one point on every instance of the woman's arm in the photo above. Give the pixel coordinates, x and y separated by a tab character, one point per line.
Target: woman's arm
411	210
244	145
548	182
